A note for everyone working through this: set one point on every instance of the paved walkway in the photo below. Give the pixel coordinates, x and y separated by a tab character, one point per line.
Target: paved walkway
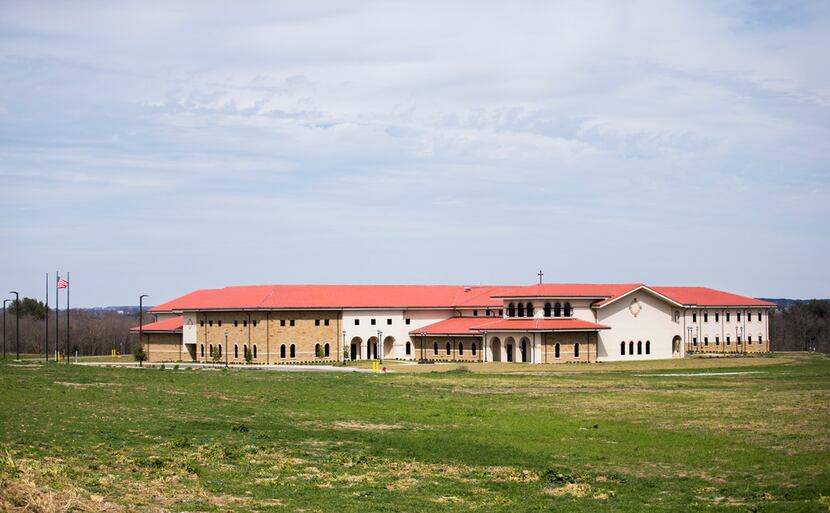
283	368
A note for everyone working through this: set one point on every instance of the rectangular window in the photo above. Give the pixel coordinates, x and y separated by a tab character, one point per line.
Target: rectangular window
717	341
739	339
245	324
357	322
705	341
202	323
220	324
749	339
501	312
748	317
373	322
487	312
388	322
759	316
316	322
254	323
282	322
408	320
705	316
291	322
326	322
694	340
210	323
694	317
235	323
727	316
738	316
717	317
475	313
728	341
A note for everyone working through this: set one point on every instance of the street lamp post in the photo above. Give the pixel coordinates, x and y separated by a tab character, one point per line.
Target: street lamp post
345	359
141	323
4	327
423	340
379	346
226	349
17	319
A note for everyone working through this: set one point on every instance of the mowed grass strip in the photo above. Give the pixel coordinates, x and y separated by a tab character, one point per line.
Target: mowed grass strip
107	439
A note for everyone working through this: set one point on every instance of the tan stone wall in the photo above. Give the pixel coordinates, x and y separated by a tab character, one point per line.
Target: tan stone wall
269	334
164	347
454	354
567	347
732	346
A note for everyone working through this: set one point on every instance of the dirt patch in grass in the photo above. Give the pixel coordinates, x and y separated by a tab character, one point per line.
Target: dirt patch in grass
86	385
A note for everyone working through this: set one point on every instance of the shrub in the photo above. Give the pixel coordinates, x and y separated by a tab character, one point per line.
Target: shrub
139	354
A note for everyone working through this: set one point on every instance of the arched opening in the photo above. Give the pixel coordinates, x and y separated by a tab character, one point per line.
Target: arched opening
388	347
317	351
326	350
648	346
639	347
235	351
354	348
511	310
461	349
622	348
495	349
220	350
630	347
547	310
521	309
524	350
293	350
254	351
282	351
372	348
675	345
408	348
530	310
576	350
473	348
557	310
435	347
449	349
210	349
509	344
203	350
568	311
556	350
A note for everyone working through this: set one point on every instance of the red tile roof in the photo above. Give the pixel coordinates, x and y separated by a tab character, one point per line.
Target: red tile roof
703	296
475	325
173	324
569	290
336	296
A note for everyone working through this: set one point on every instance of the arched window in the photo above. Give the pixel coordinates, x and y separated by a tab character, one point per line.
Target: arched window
235	351
245	350
220	349
316	350
449	349
630	347
622	348
639	347
293	350
474	348
326	350
203	350
254	350
210	348
648	346
677	316
511	310
530	309
576	350
461	348
556	351
408	348
521	309
435	347
547	310
568	310
282	351
557	310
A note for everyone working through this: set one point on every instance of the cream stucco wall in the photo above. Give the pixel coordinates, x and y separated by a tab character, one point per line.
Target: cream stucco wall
654	322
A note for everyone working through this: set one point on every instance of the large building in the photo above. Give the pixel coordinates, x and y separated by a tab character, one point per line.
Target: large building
544	323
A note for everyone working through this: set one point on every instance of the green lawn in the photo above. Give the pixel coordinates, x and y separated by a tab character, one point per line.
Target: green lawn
613	438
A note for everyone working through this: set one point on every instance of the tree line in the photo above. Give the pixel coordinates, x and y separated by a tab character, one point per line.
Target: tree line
801	326
91	332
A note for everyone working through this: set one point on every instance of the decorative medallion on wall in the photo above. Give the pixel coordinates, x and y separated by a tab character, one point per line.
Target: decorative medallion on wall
635	307
190	322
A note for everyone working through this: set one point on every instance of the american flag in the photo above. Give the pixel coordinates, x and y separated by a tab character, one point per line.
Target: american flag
62	283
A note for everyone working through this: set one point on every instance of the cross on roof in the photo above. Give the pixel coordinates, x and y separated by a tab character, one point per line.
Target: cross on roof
540	276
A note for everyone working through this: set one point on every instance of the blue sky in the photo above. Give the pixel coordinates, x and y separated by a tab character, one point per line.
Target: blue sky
160	148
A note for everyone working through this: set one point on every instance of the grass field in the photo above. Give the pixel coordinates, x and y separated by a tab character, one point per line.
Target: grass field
606	437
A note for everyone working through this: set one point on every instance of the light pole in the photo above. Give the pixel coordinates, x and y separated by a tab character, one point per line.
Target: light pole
226	349
379	346
17	319
423	339
141	322
345	359
740	329
4	327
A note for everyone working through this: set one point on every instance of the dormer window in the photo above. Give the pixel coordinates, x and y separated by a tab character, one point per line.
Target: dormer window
557	310
567	310
511	310
547	309
521	309
530	309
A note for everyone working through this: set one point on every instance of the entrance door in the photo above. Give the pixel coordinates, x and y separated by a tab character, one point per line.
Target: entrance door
524	351
353	355
510	353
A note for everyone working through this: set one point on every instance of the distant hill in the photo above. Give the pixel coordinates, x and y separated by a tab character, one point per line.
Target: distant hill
785	302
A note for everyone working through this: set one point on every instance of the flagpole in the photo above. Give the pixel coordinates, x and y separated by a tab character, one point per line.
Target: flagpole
57	315
47	317
67	316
